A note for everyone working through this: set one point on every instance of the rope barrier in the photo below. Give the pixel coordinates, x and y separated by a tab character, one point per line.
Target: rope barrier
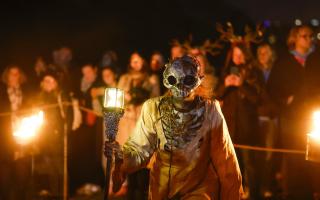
266	149
239	146
91	111
47	106
28	110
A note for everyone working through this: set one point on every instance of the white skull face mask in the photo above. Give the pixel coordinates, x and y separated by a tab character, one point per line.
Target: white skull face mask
181	76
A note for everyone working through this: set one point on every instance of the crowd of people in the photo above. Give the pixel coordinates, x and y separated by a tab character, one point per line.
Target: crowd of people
266	98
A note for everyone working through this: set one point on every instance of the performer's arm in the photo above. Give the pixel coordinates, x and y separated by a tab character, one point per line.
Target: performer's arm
141	144
224	159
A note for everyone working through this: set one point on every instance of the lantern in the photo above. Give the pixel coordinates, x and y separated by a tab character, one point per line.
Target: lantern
313	140
113	111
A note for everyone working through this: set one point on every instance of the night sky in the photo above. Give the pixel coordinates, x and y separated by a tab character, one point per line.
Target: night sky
31	28
284	11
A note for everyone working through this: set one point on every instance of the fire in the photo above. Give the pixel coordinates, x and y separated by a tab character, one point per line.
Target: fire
27	128
315	133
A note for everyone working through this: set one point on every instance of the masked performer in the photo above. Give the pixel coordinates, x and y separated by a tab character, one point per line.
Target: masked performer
184	140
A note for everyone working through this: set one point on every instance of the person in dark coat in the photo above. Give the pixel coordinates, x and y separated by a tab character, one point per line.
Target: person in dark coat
238	91
49	160
14	170
6	145
293	88
268	163
85	142
157	68
60	120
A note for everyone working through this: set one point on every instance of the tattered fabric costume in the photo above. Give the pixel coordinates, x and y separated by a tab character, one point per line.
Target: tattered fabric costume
190	153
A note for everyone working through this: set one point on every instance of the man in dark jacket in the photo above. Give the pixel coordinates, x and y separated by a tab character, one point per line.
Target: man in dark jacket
293	88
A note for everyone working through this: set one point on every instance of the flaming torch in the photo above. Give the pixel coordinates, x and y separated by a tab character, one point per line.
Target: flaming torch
25	132
313	140
27	128
113	111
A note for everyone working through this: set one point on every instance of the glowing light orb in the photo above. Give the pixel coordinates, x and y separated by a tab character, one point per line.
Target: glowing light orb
297	22
27	128
315	133
314	22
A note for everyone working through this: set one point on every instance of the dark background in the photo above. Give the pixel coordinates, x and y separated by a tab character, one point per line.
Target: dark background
31	28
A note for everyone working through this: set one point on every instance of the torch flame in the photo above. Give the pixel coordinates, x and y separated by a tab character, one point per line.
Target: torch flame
28	127
315	133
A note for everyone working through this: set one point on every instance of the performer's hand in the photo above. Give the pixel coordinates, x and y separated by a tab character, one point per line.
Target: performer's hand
118	177
231	80
113	148
237	81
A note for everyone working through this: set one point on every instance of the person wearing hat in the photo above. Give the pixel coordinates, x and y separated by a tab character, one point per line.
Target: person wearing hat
50	144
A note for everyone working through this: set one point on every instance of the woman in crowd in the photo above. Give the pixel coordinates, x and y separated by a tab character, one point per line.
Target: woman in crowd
239	89
267	163
35	73
84	142
209	80
49	162
138	87
63	66
109	80
157	68
60	120
136	82
14	96
110	60
177	51
17	91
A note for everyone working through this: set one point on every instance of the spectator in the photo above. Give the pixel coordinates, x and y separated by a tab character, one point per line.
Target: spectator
14	95
110	59
84	142
157	68
67	73
109	79
35	74
209	81
88	80
290	85
61	120
177	51
49	161
239	91
138	87
267	163
136	83
62	59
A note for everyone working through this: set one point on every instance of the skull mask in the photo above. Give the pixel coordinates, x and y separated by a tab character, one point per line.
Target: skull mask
181	76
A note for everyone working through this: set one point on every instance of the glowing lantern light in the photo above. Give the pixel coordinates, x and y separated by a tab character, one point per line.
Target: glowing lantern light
27	128
113	98
313	140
